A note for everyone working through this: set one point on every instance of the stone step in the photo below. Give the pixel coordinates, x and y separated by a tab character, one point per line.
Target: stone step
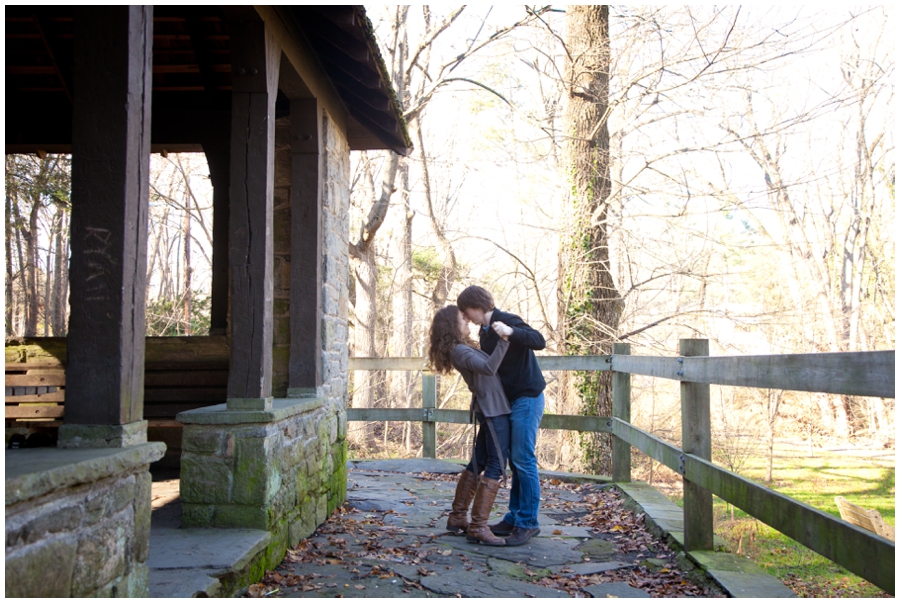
205	562
736	575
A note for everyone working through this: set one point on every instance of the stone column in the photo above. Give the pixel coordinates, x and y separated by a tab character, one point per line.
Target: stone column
110	188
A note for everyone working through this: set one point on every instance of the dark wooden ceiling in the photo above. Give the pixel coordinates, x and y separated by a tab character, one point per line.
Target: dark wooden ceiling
192	75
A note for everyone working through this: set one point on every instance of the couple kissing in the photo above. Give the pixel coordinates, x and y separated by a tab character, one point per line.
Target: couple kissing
507	402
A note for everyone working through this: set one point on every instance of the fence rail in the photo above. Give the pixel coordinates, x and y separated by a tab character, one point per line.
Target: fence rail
855	374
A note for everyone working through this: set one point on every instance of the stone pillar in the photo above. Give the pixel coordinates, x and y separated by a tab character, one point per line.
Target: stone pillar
255	58
110	188
282	469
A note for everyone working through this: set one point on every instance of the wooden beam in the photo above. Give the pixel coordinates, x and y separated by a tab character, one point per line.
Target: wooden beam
384	414
359	363
255	64
577	423
418	363
35	412
36	380
57	396
307	168
573	363
846	373
110	188
621	409
62	69
205	61
429	402
865	554
696	440
218	157
302	57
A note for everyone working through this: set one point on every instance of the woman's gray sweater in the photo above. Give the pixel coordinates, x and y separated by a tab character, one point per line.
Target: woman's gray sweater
480	373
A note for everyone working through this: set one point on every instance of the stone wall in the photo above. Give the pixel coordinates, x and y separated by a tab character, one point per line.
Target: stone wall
271	470
78	521
336	278
284	469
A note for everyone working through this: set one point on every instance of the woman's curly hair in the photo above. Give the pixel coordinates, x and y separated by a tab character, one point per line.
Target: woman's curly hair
443	337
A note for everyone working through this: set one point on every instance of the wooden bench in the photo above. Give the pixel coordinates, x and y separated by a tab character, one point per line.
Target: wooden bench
35	393
867	519
180	373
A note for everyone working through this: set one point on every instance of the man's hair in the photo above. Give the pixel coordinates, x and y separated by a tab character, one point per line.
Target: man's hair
475	297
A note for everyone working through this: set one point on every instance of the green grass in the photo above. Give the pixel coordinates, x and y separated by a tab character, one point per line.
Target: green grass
865	478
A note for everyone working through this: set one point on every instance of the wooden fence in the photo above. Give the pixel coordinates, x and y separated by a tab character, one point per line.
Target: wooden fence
855	374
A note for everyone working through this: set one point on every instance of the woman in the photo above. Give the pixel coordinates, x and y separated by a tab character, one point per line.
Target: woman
451	347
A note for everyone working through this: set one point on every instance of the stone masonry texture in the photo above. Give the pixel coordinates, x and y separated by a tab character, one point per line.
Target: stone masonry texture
288	474
81	541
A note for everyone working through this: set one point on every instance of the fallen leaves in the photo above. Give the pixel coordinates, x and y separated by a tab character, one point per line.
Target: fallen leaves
362	549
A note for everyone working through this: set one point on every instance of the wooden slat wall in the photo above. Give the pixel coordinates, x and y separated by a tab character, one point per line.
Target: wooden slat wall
181	373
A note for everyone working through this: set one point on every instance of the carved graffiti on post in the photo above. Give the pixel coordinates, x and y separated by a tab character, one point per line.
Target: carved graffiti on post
99	263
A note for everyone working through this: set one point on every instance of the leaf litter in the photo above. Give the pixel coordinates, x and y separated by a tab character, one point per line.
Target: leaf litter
365	547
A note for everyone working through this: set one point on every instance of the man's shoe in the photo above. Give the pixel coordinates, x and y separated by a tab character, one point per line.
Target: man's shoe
501	528
520	536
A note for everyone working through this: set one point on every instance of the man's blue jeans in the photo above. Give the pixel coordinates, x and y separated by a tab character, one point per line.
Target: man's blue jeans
525	490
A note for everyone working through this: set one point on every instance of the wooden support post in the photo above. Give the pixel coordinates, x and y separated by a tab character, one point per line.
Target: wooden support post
255	60
696	440
110	190
219	160
307	164
429	400
621	409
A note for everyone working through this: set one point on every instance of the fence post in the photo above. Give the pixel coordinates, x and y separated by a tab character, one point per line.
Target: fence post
696	439
429	398
621	409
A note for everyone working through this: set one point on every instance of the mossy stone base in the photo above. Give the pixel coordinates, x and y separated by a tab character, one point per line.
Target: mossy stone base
78	521
283	475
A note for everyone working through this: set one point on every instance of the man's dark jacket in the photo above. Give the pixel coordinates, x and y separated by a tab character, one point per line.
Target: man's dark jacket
519	372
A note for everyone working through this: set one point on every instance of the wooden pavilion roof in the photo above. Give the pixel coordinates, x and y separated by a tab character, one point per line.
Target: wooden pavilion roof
192	74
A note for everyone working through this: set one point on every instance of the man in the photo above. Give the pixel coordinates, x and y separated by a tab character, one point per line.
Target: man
524	386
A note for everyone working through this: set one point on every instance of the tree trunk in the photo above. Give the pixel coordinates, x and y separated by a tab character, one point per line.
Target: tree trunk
364	334
23	272
61	276
9	262
32	299
47	282
589	304
187	262
447	275
402	310
362	254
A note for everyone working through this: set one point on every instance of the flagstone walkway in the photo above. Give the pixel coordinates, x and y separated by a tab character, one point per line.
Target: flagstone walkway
389	540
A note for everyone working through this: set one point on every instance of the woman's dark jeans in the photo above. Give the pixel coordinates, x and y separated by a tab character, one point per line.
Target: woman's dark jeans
487	456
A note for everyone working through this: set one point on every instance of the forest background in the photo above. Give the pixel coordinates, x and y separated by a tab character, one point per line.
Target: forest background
741	189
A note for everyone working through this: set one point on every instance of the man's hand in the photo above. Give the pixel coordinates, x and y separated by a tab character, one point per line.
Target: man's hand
502	329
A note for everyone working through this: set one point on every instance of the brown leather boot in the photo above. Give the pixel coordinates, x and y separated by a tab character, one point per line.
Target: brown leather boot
457	521
481	509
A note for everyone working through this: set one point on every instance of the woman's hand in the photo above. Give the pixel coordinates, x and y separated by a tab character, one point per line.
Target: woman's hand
502	329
